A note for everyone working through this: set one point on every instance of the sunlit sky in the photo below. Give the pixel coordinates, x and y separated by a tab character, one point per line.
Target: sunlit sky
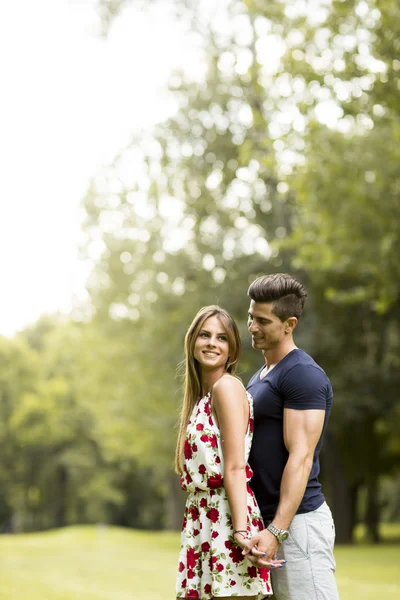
70	102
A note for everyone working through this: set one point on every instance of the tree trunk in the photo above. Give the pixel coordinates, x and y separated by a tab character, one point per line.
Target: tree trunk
372	510
61	495
341	494
175	503
344	509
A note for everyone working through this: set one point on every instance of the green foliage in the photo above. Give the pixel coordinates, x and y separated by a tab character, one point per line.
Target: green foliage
66	451
283	156
244	179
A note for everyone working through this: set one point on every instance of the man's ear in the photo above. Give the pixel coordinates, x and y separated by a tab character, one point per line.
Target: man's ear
291	324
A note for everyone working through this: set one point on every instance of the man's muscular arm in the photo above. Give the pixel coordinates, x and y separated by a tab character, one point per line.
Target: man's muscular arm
302	430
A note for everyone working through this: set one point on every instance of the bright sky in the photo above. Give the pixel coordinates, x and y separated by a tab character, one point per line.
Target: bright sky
70	101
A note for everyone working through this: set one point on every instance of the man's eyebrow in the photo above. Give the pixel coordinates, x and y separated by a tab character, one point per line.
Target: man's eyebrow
260	318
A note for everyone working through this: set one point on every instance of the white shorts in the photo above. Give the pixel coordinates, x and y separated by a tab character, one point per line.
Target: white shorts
309	573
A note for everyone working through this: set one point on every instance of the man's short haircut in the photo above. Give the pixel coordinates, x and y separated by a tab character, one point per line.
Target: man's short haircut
287	294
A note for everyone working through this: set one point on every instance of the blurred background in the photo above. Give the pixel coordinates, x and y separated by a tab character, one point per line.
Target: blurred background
157	157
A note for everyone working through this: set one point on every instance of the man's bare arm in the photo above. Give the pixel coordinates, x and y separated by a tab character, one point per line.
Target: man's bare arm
301	431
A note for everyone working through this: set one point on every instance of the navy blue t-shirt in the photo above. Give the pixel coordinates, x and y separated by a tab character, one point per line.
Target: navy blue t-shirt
295	382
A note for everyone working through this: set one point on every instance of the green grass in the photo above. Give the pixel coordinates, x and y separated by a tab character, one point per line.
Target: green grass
108	563
88	563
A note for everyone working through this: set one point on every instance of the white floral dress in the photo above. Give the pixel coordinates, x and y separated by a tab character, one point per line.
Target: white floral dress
210	563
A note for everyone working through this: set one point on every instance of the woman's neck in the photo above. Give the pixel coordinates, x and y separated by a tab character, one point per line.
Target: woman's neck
209	378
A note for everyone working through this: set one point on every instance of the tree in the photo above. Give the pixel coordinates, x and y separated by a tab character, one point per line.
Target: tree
240	164
19	375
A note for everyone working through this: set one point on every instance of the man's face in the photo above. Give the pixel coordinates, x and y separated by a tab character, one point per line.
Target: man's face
267	330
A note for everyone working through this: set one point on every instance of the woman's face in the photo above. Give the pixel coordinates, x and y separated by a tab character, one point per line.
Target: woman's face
211	347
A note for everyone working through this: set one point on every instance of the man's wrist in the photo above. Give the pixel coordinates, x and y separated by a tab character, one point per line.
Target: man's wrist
280	534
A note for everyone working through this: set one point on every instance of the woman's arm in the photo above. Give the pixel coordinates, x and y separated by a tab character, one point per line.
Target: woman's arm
232	412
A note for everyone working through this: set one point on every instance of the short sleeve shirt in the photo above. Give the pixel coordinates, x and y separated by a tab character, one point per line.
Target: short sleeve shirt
299	383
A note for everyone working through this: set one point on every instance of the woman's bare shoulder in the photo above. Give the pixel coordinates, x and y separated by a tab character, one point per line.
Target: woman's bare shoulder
228	384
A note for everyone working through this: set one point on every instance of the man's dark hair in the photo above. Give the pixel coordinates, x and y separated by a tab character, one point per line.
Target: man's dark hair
286	292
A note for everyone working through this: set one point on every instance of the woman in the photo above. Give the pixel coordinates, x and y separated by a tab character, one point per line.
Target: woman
212	450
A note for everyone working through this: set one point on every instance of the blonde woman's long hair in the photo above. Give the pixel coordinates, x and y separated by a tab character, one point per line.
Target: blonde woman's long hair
192	378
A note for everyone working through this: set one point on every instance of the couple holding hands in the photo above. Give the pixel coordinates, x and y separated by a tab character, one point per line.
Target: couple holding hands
256	522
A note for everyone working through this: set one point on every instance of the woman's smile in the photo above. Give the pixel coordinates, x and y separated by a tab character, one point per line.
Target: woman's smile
212	347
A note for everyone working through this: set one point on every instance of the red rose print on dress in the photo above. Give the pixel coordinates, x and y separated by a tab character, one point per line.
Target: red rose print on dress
249	473
215	481
187	450
205	547
194	513
252	571
236	555
235	552
199	427
214	441
213	515
264	573
191	557
202	469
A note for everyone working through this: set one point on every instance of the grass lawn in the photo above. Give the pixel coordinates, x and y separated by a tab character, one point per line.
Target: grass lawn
107	563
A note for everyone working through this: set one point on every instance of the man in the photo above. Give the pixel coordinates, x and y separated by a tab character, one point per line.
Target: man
292	402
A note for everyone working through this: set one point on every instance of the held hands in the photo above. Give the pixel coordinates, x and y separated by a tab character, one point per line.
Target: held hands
242	541
261	550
